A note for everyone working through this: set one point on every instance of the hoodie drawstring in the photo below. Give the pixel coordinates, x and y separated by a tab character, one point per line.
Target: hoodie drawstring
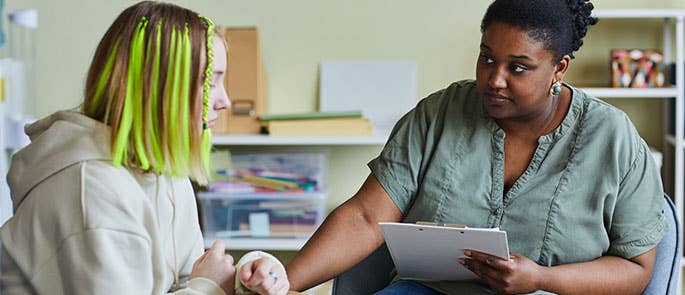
159	224
177	282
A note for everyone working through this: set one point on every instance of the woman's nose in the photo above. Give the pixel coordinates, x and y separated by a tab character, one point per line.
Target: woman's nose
497	79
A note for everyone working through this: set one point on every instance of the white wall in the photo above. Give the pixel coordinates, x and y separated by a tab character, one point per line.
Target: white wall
441	35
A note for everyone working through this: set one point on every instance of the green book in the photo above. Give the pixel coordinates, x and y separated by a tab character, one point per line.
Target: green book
311	115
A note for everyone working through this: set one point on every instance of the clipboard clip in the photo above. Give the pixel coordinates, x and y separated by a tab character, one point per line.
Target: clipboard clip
441	224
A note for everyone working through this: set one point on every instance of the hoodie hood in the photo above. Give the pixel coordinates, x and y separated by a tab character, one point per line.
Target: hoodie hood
57	141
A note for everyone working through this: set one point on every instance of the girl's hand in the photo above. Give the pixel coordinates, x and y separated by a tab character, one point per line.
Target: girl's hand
265	277
217	266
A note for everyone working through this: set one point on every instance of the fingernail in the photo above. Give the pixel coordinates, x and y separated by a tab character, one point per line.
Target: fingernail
461	261
467	253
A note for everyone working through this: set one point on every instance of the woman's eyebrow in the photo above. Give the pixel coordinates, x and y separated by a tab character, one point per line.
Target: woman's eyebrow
486	48
520	57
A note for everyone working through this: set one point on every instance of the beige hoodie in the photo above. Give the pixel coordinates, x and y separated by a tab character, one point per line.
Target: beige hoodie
83	226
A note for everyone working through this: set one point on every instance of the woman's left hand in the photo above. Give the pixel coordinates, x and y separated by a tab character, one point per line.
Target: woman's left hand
265	277
518	274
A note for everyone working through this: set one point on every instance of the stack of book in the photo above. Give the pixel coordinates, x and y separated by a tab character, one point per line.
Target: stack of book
317	124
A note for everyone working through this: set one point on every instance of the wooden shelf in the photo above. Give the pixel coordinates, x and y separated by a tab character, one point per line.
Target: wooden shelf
259	139
281	244
223	139
631	92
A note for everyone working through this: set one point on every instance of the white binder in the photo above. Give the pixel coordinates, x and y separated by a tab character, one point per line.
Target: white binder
430	252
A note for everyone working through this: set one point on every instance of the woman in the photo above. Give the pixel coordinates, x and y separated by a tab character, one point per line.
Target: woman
566	175
102	200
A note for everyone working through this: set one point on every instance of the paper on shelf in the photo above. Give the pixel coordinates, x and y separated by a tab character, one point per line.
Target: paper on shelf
383	90
259	224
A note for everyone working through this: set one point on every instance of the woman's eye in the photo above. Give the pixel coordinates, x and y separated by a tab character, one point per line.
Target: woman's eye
518	69
488	60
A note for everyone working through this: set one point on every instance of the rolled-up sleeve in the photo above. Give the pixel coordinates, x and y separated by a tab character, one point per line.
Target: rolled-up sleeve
638	222
398	166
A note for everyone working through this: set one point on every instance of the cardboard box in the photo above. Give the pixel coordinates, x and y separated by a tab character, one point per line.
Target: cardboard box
245	82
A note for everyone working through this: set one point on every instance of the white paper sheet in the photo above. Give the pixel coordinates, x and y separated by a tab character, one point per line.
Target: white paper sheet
382	90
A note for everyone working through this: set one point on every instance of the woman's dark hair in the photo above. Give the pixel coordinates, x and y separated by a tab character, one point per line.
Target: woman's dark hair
559	24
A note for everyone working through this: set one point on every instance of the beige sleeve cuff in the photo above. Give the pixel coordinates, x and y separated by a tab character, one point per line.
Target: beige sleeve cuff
240	288
205	286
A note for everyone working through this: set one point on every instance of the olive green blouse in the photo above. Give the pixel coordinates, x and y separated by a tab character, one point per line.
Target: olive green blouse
591	188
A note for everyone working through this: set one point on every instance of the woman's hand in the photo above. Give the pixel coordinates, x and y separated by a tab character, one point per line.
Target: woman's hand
265	277
518	274
217	266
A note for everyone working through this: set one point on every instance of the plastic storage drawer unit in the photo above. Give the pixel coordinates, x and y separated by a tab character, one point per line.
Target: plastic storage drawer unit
280	215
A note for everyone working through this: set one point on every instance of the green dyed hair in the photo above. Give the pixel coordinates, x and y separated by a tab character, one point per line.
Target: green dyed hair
144	82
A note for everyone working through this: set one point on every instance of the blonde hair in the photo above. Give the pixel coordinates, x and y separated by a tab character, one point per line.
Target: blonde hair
143	82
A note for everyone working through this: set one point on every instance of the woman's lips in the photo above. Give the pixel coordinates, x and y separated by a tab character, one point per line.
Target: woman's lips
497	99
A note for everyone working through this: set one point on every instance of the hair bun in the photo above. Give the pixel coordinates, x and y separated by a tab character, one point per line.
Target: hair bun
581	11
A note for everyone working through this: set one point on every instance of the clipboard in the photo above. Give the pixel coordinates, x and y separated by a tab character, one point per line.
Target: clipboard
429	252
